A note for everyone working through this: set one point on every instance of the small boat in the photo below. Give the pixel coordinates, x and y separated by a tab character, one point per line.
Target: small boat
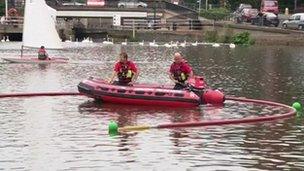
36	60
39	29
156	95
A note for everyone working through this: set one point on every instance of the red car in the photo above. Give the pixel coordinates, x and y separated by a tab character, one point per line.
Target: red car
249	13
271	6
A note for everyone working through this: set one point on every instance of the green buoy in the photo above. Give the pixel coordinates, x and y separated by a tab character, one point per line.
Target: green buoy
297	106
113	127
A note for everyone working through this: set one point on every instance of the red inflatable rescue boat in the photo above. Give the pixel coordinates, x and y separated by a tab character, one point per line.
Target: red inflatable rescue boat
195	94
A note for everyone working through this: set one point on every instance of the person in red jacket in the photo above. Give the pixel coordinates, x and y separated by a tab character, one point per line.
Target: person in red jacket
180	71
125	70
42	54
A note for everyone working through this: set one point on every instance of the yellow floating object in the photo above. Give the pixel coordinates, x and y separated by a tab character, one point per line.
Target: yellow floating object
134	128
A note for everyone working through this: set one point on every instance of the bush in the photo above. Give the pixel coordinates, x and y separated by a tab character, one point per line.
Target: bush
211	36
2	8
228	36
215	13
243	39
134	39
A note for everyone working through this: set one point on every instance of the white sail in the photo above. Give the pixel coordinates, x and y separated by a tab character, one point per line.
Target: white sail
39	26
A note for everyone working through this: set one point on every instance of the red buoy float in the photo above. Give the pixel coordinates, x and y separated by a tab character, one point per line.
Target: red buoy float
213	97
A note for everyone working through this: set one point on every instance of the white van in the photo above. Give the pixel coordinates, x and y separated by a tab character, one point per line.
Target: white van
296	21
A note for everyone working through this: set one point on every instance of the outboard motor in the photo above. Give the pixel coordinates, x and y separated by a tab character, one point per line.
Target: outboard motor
197	83
214	97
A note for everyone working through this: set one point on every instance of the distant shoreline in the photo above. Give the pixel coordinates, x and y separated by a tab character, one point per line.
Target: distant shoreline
262	36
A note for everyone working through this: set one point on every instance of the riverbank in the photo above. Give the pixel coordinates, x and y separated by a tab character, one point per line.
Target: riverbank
262	36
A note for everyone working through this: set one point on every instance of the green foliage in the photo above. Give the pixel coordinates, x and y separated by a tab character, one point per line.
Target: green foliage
191	1
211	36
243	39
2	8
82	1
288	4
134	39
227	37
215	13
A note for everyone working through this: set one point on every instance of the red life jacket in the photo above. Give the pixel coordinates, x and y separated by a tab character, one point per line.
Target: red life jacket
125	72
42	54
180	71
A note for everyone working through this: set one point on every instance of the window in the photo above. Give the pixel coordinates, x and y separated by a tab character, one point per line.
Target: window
271	3
297	17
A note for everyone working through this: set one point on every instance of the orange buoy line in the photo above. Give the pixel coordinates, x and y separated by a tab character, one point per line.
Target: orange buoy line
39	94
291	112
113	126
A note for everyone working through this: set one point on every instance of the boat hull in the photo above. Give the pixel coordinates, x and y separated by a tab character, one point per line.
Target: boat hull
138	94
35	60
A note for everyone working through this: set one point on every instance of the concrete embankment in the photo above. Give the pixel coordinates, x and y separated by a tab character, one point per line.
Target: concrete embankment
265	36
261	35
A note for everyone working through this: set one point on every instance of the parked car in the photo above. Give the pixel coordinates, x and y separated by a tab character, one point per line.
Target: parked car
296	21
238	12
248	13
100	3
131	4
243	6
266	19
271	6
73	4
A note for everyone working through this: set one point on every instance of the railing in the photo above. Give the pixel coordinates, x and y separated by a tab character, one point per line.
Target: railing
12	21
182	10
151	5
144	24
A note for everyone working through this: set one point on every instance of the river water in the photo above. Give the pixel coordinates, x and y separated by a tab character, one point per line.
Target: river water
70	133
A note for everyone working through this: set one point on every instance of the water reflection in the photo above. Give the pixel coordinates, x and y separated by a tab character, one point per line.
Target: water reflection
274	149
43	66
69	133
127	115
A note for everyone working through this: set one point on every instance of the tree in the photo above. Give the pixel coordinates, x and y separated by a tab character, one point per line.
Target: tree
2	8
215	14
235	3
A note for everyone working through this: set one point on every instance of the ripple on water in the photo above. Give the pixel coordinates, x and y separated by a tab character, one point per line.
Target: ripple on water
70	133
